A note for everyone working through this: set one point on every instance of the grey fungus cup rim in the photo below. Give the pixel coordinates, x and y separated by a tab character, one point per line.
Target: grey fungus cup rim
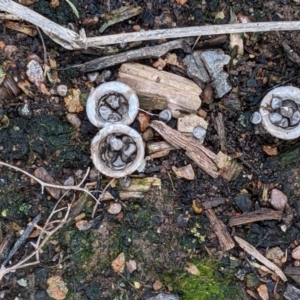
284	93
115	130
99	95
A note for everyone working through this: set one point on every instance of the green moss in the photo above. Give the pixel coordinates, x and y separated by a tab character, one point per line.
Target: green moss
208	284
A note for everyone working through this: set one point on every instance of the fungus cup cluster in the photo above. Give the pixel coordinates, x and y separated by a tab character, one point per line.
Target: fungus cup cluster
117	150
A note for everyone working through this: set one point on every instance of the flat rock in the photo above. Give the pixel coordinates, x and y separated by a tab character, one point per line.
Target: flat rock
278	200
188	123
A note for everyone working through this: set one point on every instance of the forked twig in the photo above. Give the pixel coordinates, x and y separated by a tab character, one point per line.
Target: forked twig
45	184
42	240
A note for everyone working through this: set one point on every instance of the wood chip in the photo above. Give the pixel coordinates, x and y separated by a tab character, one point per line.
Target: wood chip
189	122
219	228
256	254
185	172
255	216
270	150
43	175
263	292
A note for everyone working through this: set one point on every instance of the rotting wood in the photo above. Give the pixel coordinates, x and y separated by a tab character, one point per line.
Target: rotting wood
139	187
204	158
219	228
153	147
257	255
71	40
27	29
63	36
161	88
211	163
255	216
220	128
131	55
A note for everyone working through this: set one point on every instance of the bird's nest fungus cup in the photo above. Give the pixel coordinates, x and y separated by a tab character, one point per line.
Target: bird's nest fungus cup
280	111
112	103
117	150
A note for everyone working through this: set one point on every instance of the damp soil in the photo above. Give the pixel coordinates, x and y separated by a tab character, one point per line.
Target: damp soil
160	231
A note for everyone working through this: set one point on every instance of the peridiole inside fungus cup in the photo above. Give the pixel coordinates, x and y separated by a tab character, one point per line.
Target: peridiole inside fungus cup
112	103
280	111
117	150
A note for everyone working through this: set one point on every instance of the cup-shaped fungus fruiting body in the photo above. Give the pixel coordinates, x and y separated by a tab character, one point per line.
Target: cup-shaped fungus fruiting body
112	103
280	111
117	150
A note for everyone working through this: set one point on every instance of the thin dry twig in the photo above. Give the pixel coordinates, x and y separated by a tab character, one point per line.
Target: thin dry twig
71	40
45	184
42	240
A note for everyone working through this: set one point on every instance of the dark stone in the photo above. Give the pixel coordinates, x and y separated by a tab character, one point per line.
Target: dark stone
244	203
182	221
41	275
156	220
41	295
93	291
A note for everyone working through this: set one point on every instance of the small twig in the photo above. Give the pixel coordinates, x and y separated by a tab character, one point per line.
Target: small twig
45	184
43	43
102	194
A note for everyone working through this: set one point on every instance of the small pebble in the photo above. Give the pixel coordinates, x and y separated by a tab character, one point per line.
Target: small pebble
296	253
199	132
92	76
114	208
119	163
105	112
284	123
278	200
165	115
62	90
125	181
106	74
256	118
276	103
74	120
116	144
113	101
295	119
286	111
22	282
275	118
114	117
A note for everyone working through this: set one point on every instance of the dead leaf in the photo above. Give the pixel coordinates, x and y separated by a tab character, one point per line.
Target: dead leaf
131	265
270	150
57	288
263	292
119	263
2	45
181	2
83	225
43	175
54	3
72	101
192	269
144	120
157	285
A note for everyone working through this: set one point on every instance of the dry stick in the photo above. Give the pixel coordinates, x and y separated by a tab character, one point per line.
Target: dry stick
63	36
44	184
38	246
71	40
142	53
252	251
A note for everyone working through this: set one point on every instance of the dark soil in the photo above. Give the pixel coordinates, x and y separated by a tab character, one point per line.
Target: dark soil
161	232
